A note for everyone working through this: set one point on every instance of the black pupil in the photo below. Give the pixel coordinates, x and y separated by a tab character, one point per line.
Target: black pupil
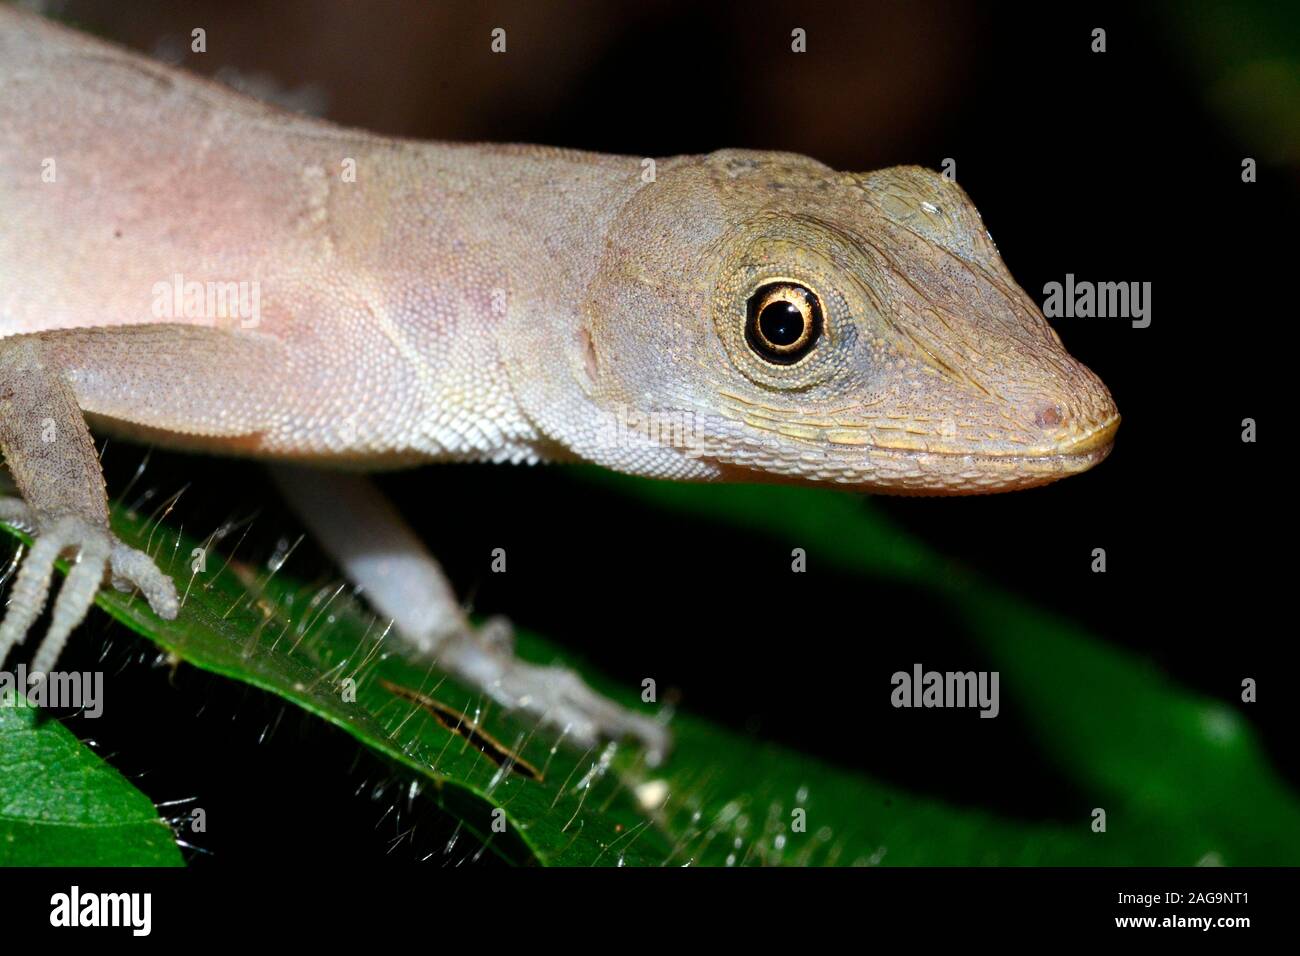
781	322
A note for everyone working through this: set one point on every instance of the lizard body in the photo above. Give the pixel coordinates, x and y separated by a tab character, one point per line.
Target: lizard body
430	302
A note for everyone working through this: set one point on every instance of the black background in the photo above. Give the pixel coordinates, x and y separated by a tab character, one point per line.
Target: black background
1108	166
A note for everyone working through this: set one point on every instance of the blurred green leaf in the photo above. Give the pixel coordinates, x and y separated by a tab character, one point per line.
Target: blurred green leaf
1182	777
1248	58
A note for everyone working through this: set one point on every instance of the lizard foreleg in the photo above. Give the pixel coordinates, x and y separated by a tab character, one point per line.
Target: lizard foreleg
52	459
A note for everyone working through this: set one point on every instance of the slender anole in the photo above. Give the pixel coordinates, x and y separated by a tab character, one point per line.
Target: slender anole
186	266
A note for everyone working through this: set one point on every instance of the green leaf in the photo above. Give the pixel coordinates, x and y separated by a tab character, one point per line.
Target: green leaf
317	648
60	805
723	798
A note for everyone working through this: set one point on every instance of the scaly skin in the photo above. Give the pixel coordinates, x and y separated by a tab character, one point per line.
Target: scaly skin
499	303
511	302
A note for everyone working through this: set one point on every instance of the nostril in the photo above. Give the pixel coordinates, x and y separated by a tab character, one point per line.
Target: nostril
1049	416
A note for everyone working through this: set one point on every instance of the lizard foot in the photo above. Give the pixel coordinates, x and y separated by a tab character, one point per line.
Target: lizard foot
556	694
96	551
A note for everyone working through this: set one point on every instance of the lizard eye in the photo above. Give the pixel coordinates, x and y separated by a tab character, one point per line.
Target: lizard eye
785	321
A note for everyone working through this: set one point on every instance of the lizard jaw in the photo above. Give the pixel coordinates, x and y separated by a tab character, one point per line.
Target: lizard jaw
935	473
976	473
985	473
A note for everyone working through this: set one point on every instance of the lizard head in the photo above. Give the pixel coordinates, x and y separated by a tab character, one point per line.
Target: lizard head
761	315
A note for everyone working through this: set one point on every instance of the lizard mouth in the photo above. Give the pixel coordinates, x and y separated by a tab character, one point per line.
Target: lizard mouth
1079	452
953	469
1002	471
1076	454
914	472
1088	444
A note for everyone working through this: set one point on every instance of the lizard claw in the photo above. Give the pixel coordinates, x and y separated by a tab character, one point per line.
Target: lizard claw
96	550
16	512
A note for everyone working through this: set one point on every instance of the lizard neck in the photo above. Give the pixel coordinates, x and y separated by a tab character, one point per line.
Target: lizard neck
485	262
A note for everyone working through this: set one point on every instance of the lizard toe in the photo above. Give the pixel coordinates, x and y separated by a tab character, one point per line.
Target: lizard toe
96	549
54	536
30	589
73	602
559	696
132	568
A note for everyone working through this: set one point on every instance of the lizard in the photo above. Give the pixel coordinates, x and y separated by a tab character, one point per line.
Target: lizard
739	315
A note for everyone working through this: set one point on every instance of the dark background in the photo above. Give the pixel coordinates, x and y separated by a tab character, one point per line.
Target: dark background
1122	166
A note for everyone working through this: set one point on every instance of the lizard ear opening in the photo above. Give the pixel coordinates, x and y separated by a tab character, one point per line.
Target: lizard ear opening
588	354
